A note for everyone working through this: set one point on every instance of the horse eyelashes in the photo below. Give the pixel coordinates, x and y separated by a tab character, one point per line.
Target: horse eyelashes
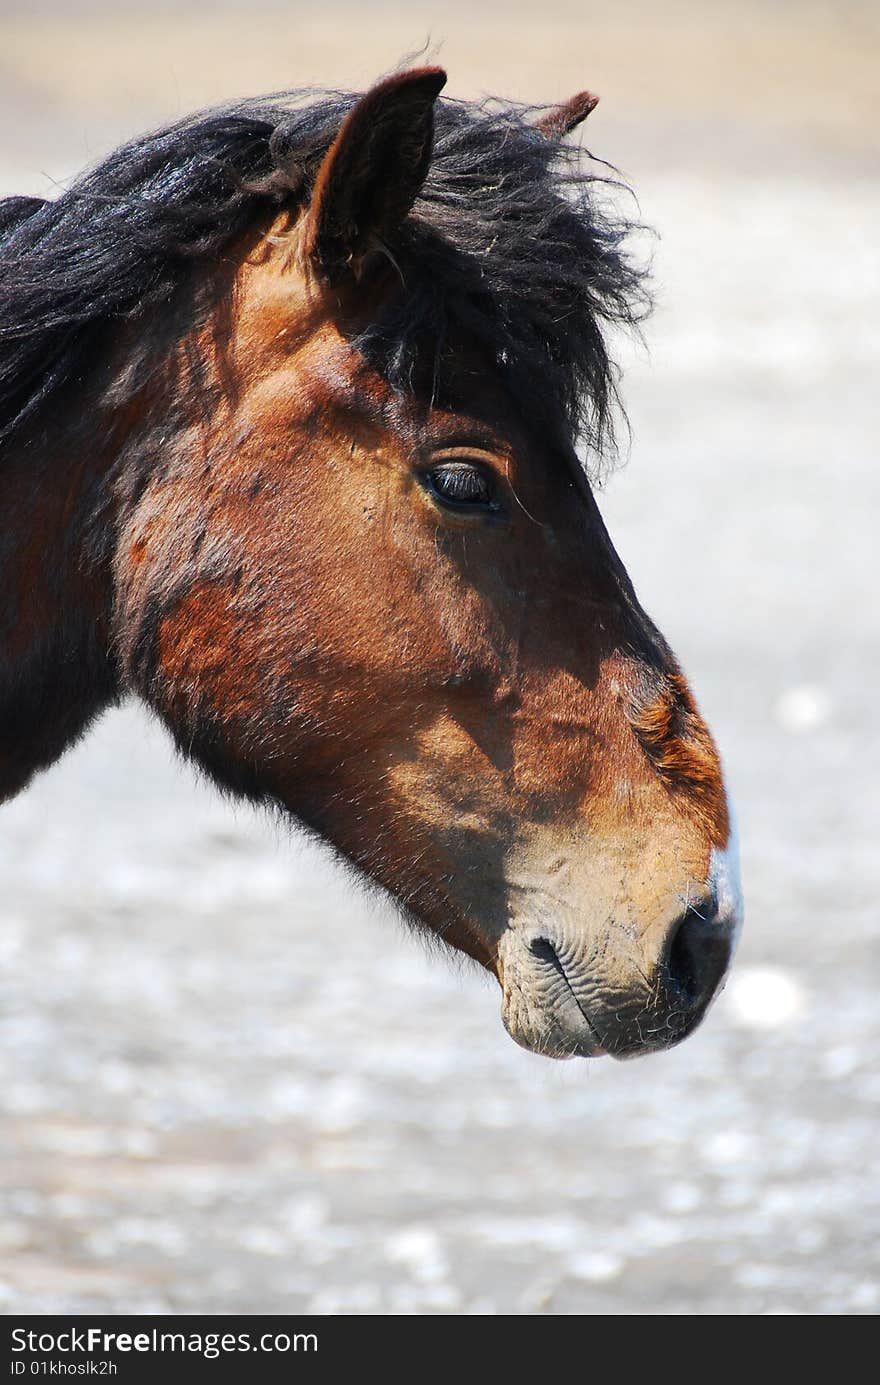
461	484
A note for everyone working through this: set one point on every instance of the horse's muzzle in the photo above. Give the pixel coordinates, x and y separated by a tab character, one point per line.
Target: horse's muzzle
565	995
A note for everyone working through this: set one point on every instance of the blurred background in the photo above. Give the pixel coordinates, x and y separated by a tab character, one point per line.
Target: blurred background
229	1082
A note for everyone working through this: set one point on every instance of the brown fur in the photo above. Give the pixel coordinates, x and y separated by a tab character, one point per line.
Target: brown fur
678	742
561	120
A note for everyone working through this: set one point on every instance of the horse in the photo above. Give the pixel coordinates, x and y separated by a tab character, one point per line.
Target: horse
300	400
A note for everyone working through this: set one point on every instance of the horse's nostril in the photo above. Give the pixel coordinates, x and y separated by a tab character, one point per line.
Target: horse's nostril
544	950
698	954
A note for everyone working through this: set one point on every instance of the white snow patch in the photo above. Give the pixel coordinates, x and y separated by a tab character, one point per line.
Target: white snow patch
765	998
803	708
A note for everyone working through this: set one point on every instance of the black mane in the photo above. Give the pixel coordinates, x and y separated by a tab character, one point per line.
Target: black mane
511	239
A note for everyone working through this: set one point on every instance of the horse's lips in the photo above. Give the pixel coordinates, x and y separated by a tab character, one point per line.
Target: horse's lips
554	1027
554	1040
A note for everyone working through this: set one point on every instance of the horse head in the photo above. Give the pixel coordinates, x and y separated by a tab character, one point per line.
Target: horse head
350	554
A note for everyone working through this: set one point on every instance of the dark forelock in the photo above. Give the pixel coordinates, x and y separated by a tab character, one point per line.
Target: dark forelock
513	242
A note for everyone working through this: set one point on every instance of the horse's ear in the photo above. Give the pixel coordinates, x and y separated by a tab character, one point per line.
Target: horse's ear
565	118
372	173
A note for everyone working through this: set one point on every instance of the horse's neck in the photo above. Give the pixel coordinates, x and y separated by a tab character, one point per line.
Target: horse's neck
56	673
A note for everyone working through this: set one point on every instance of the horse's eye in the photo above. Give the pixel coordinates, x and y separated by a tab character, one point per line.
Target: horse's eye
461	486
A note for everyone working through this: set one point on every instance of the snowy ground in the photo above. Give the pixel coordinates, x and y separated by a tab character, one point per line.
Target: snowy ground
229	1083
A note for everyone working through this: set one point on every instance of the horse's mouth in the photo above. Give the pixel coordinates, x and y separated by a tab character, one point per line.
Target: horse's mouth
541	1011
555	1035
552	1022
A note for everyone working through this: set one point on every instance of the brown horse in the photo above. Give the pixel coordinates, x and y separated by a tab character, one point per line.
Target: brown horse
290	396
